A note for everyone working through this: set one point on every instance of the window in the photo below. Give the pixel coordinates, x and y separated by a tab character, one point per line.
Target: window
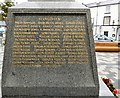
107	9
106	20
106	33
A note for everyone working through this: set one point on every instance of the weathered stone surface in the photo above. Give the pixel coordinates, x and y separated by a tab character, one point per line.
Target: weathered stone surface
52	97
49	52
51	0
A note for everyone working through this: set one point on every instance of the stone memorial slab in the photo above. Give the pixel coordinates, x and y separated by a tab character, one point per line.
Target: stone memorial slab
49	52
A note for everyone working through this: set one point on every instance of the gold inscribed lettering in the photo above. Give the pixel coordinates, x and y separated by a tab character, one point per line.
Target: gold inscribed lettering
49	41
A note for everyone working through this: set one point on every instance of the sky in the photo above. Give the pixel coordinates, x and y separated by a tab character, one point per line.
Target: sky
82	1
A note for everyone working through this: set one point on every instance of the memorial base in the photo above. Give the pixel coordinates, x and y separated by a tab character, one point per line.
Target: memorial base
49	52
49	97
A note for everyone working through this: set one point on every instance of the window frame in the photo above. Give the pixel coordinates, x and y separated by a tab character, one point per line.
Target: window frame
106	19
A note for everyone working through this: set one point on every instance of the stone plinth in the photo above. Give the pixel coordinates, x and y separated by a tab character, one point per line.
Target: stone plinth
49	52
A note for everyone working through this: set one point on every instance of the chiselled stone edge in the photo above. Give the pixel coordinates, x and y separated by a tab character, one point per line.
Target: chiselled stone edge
49	91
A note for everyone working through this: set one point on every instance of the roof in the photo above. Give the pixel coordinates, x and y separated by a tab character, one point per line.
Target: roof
102	3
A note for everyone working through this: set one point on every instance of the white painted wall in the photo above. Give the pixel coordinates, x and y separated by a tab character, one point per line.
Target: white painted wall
118	37
99	29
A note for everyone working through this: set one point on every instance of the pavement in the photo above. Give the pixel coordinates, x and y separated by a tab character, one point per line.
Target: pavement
108	64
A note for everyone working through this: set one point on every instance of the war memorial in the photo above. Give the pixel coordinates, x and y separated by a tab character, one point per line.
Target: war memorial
49	51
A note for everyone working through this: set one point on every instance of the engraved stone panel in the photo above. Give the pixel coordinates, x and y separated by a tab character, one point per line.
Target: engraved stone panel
50	40
49	53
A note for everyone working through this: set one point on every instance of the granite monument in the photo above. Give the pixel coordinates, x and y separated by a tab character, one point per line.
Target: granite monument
49	52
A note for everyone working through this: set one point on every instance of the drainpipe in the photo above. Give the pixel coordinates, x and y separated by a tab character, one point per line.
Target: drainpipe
96	20
97	17
118	29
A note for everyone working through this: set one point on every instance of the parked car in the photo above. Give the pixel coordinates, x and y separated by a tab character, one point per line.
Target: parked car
102	38
2	31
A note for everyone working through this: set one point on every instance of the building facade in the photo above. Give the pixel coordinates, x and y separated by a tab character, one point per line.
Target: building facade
105	18
118	34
